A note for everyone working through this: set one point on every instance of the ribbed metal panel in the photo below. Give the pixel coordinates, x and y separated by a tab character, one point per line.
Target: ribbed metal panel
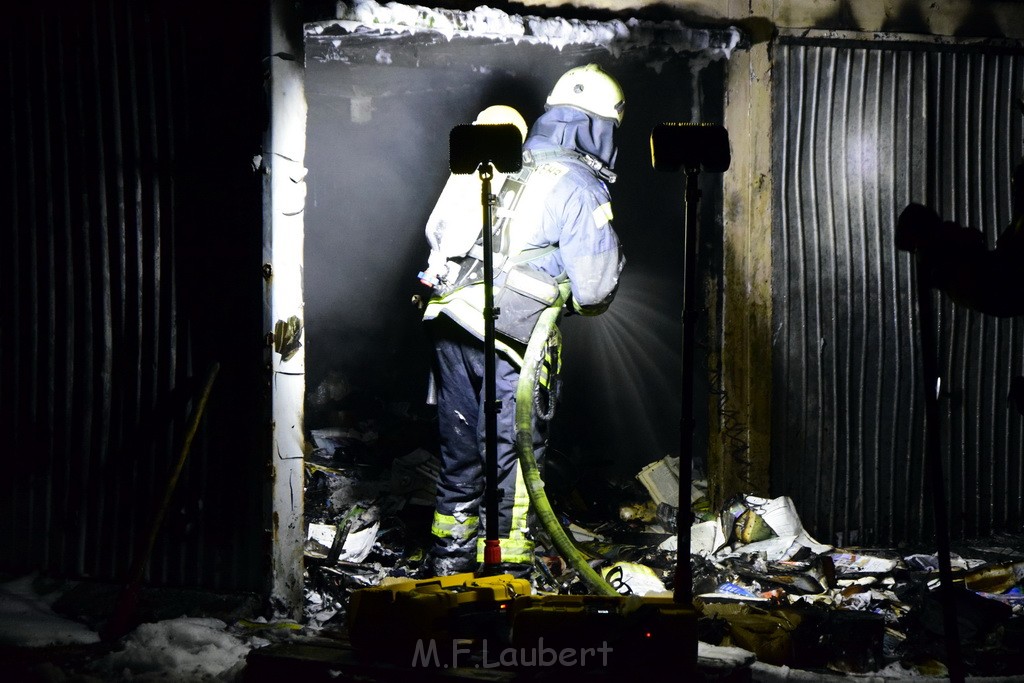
861	131
96	361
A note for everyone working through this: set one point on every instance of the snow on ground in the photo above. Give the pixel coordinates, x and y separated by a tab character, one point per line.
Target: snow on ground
193	649
26	619
181	649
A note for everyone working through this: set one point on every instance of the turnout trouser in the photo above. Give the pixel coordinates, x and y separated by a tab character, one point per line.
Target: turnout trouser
460	516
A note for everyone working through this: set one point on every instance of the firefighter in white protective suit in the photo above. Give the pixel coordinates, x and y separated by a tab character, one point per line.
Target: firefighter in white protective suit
554	246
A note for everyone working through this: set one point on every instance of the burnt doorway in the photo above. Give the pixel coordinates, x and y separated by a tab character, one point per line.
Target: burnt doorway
382	98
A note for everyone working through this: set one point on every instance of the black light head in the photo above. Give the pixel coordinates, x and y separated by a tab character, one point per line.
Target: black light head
690	146
470	146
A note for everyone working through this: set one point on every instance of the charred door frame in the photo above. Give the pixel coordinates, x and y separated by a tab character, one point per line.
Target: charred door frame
282	271
283	226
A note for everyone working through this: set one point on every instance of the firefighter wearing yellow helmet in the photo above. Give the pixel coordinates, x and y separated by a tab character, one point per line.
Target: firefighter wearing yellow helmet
555	248
453	227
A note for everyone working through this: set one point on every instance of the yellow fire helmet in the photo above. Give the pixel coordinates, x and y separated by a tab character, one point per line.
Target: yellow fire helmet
591	89
501	113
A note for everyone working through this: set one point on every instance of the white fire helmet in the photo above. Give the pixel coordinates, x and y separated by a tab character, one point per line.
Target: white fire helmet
591	89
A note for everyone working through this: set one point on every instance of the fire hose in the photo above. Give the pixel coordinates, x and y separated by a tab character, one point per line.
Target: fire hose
529	382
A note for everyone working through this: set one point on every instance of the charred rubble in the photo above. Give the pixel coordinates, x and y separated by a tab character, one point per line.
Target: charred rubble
760	581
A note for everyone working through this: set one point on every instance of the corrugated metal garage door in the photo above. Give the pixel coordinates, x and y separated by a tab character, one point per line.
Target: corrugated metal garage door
861	131
130	261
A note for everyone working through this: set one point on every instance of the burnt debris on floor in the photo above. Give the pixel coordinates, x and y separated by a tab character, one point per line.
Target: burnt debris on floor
760	581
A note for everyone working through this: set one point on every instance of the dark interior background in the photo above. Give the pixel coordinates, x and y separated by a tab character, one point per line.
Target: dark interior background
380	111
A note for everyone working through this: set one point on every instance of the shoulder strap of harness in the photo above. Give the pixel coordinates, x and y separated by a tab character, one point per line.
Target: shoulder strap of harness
512	190
592	162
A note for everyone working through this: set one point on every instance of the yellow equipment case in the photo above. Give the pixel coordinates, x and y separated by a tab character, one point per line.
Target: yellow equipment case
606	632
429	622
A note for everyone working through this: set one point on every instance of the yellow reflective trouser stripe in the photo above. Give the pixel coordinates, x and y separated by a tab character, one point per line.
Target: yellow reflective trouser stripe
512	550
603	215
446	526
518	550
518	547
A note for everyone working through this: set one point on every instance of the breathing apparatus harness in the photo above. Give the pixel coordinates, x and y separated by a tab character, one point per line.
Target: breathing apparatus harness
599	168
470	266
